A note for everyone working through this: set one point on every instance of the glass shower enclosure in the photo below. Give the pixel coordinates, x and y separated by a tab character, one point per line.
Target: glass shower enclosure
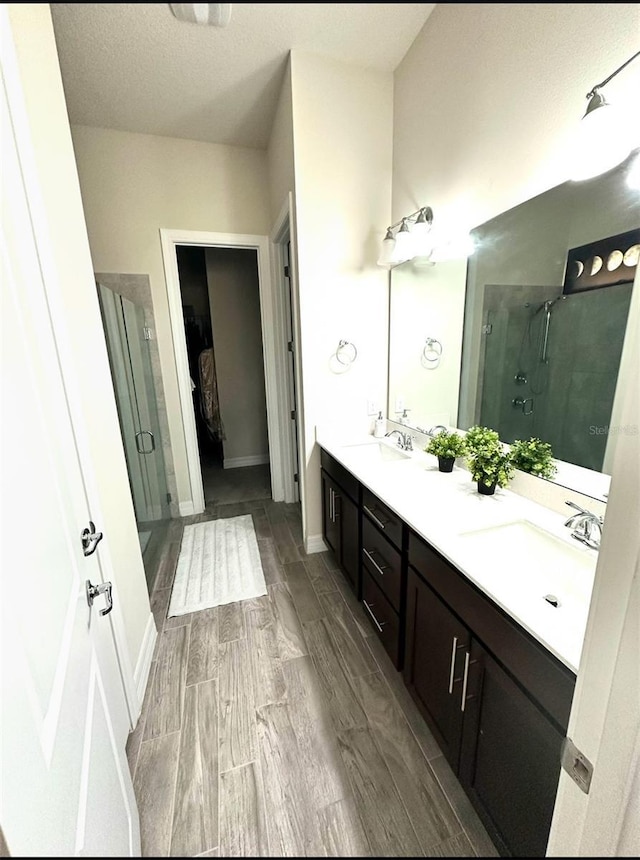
128	346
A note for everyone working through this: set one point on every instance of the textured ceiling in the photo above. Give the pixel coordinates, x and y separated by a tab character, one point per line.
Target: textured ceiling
135	67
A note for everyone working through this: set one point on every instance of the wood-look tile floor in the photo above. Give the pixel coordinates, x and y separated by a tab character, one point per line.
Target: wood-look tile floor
278	726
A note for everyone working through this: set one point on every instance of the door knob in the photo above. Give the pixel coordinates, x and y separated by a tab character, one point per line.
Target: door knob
90	539
94	591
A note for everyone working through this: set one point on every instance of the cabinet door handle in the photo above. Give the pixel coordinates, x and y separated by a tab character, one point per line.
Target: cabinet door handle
373	517
379	568
331	505
336	513
454	647
467	662
372	616
452	670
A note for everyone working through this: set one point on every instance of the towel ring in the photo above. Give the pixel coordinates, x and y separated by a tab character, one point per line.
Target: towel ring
346	353
432	352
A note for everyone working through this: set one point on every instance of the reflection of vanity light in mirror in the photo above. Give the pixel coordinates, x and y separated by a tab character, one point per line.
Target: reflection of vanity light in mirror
605	136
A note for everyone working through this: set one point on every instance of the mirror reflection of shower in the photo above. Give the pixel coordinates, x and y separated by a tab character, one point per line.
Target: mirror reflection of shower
550	365
533	363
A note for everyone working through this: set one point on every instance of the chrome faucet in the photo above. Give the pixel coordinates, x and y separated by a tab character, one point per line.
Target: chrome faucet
587	526
405	440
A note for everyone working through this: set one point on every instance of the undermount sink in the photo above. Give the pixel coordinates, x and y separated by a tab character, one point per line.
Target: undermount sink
378	452
544	571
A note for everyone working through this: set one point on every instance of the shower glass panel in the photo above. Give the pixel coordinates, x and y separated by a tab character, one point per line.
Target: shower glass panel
551	366
132	374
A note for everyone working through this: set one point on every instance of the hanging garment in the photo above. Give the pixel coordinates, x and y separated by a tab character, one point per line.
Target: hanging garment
209	404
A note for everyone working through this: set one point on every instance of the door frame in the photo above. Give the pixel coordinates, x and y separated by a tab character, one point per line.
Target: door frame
271	336
283	232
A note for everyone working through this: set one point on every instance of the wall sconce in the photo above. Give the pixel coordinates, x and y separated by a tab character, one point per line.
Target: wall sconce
415	238
604	136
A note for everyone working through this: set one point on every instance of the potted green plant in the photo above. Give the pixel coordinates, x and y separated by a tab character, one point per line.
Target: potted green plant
489	462
446	446
533	456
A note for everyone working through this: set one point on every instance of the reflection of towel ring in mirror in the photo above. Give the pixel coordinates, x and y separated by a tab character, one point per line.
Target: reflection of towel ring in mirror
431	353
346	353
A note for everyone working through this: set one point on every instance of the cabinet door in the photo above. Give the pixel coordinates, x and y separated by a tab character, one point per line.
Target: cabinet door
349	538
437	644
510	762
330	521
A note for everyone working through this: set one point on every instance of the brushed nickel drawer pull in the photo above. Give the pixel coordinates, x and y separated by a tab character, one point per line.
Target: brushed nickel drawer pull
372	616
380	569
467	663
452	670
373	517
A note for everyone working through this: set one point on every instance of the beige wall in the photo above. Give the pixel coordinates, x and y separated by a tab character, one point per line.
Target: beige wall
79	324
234	299
342	124
132	186
280	150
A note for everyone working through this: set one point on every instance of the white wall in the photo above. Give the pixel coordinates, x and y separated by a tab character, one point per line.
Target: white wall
132	186
234	299
79	324
342	122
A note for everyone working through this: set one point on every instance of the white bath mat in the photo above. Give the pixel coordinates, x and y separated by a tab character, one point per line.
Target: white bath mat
219	563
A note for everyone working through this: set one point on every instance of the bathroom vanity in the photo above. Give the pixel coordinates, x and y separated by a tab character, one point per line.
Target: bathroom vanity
481	602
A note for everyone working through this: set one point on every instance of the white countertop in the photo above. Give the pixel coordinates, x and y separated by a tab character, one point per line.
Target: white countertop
519	553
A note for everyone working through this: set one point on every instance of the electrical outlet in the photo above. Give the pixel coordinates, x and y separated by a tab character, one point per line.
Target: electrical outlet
372	407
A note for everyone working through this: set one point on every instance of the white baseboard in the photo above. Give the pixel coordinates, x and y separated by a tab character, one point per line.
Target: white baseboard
315	543
143	664
239	462
186	509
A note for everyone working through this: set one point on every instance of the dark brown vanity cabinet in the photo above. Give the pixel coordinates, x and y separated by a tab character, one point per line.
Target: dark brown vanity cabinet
382	572
340	517
434	666
496	700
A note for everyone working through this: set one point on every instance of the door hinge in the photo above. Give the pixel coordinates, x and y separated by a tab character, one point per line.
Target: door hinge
168	498
293	415
290	346
577	765
295	478
146	331
487	329
286	271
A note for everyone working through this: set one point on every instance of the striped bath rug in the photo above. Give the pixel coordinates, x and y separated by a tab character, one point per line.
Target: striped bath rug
219	563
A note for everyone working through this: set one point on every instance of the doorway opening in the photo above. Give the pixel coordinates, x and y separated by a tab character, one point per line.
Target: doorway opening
220	299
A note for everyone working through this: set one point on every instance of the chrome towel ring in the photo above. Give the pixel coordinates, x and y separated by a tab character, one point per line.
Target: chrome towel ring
431	353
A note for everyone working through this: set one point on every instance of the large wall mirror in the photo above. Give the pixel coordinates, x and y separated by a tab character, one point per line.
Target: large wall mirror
526	336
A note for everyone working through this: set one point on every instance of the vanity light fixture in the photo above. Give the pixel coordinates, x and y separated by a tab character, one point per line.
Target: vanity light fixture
604	138
410	240
214	14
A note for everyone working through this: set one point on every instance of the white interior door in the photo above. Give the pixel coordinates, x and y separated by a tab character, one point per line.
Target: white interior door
65	784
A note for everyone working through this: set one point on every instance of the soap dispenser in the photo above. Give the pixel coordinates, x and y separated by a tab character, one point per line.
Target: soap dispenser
379	426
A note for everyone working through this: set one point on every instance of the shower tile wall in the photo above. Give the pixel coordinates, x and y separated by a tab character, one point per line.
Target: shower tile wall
137	289
573	393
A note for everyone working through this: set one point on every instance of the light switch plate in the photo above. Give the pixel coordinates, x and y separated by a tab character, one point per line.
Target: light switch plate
372	407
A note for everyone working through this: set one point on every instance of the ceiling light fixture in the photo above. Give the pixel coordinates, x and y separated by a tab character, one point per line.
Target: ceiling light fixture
604	136
213	14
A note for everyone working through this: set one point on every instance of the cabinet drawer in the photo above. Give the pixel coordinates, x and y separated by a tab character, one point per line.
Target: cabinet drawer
383	517
383	619
383	561
342	476
549	681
